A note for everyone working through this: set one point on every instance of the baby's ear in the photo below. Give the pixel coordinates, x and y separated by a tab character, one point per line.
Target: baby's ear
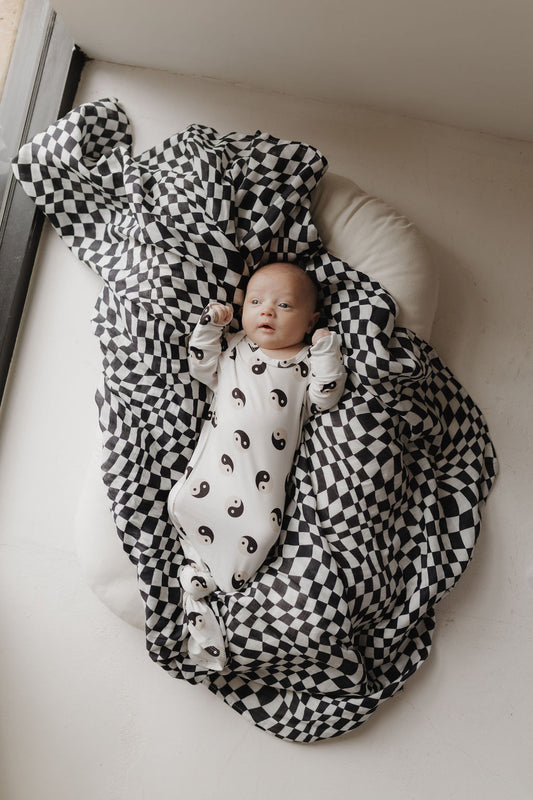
313	321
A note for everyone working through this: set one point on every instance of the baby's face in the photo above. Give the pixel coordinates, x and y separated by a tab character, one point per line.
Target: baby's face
279	308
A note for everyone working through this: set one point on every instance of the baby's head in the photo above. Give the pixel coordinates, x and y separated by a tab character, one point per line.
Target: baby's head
280	308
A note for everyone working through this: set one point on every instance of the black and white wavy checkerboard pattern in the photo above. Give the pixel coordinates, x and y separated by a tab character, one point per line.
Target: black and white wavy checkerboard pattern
384	506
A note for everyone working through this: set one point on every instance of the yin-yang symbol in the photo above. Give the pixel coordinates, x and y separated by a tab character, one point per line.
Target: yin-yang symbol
197	353
262	481
278	397
275	516
199	581
206	534
212	650
301	369
211	417
235	507
241	439
196	619
205	316
226	463
239	399
259	368
248	544
238	580
200	489
329	387
279	438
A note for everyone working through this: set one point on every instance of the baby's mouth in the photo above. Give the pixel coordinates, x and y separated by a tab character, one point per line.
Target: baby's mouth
266	327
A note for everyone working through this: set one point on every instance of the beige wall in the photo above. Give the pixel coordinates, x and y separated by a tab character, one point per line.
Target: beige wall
461	62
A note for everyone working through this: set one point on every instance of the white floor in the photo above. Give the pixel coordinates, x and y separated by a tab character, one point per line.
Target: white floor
84	712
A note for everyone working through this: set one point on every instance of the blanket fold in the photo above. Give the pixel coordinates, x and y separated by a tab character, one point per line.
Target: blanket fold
384	505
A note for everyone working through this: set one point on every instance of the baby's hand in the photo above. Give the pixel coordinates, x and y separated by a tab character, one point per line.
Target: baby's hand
320	333
221	314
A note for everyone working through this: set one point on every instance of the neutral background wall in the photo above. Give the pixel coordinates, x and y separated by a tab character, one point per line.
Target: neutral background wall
84	712
462	62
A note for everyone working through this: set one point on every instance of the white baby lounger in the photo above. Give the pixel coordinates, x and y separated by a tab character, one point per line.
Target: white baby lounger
384	499
360	229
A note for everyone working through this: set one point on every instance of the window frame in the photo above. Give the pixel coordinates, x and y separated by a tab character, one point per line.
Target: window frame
40	87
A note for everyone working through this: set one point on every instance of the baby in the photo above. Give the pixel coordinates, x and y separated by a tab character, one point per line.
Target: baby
229	505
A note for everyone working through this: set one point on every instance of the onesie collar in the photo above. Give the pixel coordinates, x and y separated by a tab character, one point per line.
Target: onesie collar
252	352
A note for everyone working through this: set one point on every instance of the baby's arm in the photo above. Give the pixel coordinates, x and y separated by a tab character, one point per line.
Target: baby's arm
328	373
205	345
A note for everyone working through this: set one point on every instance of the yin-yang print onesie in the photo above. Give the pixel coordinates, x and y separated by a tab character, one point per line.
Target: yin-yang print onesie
229	504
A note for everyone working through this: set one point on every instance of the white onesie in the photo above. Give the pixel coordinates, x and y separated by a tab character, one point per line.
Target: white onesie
229	504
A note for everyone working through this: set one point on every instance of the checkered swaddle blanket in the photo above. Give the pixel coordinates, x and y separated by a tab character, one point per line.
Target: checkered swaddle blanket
384	505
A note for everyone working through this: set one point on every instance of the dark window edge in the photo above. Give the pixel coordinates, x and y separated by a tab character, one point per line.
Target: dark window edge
40	87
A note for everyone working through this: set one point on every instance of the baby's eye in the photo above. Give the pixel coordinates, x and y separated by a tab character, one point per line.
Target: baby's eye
284	305
255	302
